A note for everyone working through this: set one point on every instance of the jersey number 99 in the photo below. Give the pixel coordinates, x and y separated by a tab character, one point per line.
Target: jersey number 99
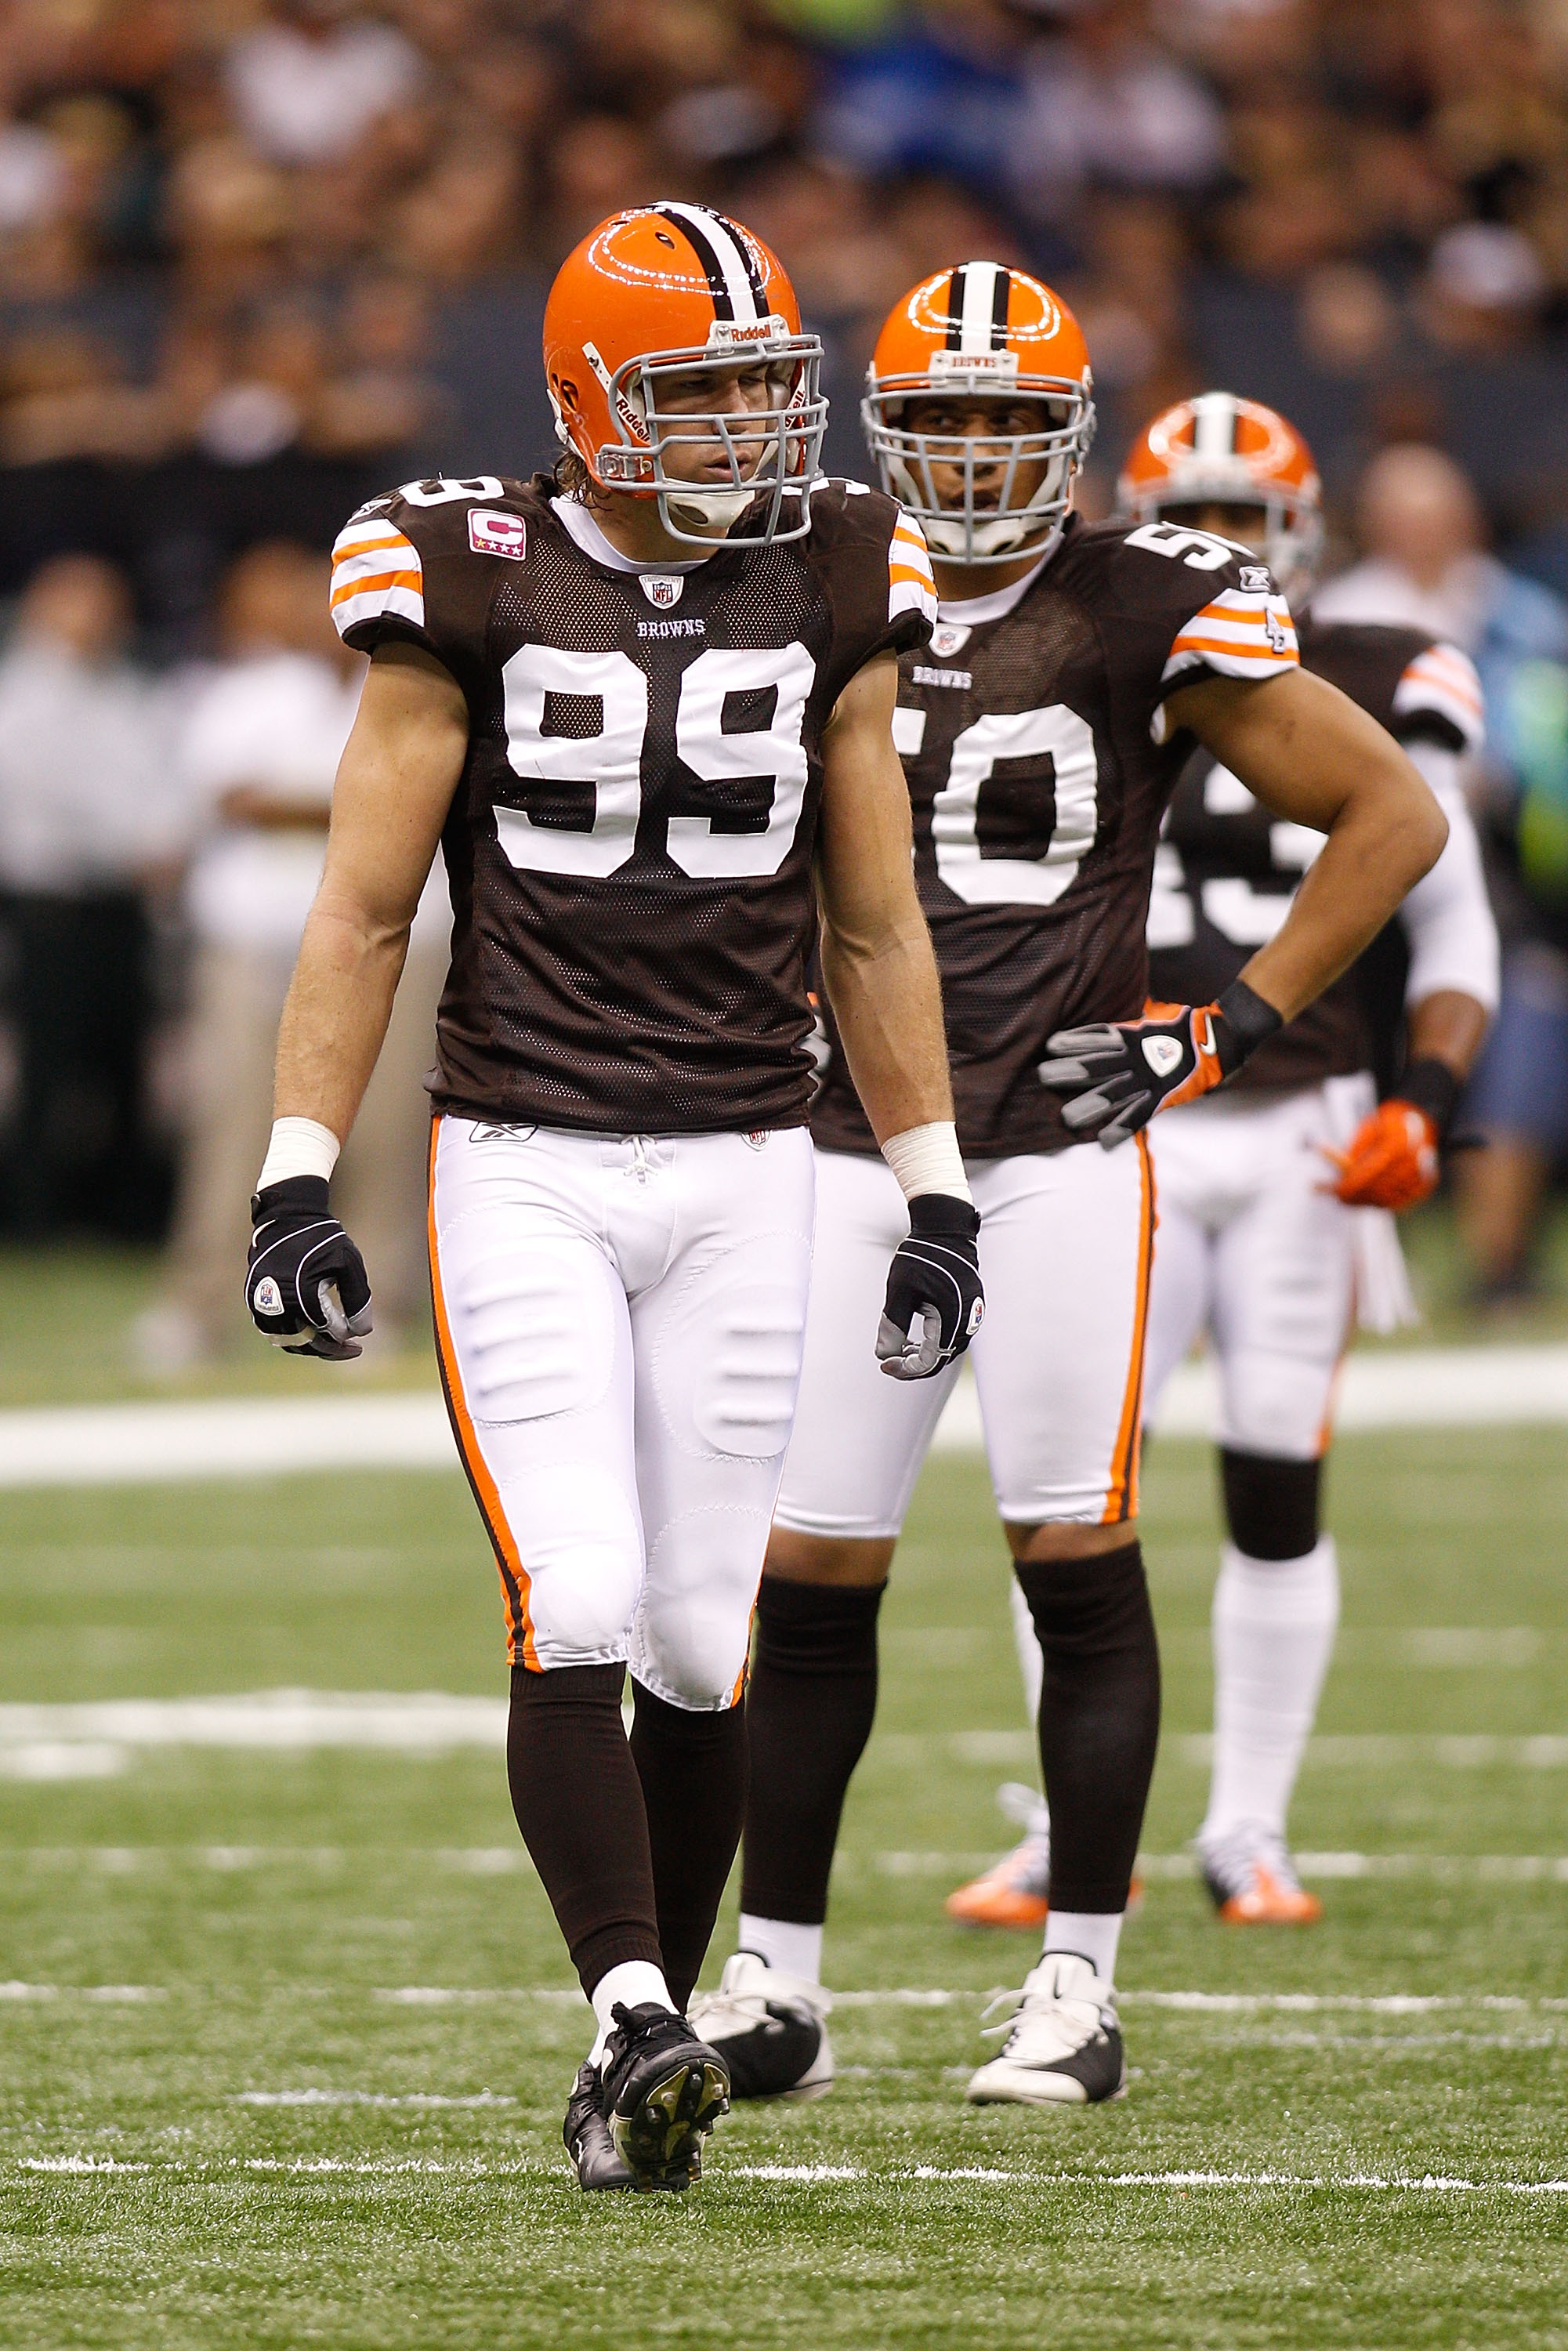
595	761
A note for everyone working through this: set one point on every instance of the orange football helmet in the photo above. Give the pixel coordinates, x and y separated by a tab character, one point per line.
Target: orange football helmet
673	290
1217	450
988	333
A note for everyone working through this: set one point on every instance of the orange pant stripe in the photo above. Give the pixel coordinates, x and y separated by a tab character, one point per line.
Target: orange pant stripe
514	1575
1122	1491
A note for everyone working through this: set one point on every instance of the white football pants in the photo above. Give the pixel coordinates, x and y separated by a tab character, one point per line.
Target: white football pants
620	1323
1253	1249
1064	1253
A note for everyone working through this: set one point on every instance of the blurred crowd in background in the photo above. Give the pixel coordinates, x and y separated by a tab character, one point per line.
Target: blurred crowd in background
261	259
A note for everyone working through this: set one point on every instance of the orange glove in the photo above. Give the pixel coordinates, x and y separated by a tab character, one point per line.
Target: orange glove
1391	1161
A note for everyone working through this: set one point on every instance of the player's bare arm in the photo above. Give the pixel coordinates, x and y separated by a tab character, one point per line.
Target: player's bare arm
1304	750
394	788
877	958
305	1281
880	975
1313	758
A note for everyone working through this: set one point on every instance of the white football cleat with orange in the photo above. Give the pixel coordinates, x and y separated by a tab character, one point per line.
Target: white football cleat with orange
1015	1891
1252	1880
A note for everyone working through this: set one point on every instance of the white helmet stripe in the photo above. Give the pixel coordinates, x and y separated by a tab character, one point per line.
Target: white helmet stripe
1214	424
979	306
712	234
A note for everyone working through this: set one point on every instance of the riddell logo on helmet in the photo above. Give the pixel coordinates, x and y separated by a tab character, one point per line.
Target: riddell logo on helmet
625	413
726	334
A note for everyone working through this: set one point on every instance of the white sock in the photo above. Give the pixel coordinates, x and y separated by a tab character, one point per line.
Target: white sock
1092	1934
798	1950
632	1983
1032	1660
1274	1624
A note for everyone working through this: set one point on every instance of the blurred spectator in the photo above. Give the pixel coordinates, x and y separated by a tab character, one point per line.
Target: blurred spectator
1485	288
380	397
1104	107
1424	566
1520	1093
1421	525
260	749
313	76
87	822
940	93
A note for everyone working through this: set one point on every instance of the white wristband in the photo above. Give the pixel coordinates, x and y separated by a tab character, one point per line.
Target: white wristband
299	1146
927	1159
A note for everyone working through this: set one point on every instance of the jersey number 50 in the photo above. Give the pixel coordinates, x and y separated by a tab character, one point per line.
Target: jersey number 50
1054	741
596	761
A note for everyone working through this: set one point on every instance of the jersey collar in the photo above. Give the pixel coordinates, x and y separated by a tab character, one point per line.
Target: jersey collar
977	610
581	528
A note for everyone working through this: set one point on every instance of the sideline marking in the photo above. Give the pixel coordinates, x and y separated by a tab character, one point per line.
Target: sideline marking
256	1436
367	2098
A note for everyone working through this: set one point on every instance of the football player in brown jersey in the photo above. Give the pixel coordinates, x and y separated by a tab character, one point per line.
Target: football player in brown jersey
1071	670
1276	1229
645	707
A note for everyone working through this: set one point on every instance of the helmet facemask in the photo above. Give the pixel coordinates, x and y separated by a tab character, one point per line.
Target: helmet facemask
992	526
1291	539
772	453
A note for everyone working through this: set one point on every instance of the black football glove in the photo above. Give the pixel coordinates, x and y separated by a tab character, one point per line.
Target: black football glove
305	1283
935	1281
1118	1073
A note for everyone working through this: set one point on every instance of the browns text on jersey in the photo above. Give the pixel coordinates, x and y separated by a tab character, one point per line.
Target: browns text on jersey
1035	749
1228	870
630	844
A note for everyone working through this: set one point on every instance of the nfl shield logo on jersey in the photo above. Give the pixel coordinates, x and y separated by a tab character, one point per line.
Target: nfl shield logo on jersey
497	533
662	588
947	637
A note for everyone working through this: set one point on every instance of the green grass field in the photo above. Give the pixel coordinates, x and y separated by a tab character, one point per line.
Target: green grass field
255	1917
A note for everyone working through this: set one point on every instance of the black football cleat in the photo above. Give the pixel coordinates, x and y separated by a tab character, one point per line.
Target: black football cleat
663	2092
587	2135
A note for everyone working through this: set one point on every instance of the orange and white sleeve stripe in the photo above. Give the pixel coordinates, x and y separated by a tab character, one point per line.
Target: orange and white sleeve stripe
1443	681
1244	633
375	571
910	585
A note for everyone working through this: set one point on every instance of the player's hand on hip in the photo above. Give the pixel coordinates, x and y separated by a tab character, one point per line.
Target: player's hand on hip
1391	1160
935	1299
305	1283
1394	1157
1117	1073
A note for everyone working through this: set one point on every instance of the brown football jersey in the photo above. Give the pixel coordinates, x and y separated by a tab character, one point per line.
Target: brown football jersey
630	844
1228	870
1034	748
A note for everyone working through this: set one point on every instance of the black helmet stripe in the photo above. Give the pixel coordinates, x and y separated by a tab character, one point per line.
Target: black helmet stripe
999	299
734	279
955	309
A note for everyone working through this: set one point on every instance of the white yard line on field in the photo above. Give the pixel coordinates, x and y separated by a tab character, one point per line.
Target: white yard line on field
367	2098
1222	2004
260	1436
808	2175
41	1741
497	1861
